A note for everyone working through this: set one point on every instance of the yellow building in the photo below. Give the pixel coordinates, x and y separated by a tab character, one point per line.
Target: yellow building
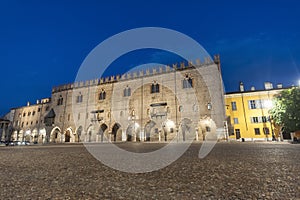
248	115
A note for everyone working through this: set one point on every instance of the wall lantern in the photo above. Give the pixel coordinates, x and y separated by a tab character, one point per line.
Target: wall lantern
209	106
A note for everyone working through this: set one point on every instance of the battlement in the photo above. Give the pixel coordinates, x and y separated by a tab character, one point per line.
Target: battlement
138	74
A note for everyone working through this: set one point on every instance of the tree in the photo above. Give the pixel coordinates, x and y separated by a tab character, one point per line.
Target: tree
286	110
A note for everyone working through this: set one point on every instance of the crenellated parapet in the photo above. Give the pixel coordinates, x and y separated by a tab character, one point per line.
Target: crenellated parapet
139	74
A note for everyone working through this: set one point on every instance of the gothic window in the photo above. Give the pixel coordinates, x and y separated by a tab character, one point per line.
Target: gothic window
155	87
102	95
60	100
187	82
79	98
127	92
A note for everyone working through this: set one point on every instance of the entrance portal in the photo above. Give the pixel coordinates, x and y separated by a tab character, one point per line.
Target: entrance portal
67	136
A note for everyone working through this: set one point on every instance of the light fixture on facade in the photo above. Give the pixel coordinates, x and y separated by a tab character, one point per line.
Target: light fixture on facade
209	106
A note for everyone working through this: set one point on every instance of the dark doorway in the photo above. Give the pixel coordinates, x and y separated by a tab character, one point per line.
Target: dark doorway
67	136
115	129
103	128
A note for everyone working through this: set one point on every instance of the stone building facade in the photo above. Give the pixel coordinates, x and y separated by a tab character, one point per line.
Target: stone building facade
159	104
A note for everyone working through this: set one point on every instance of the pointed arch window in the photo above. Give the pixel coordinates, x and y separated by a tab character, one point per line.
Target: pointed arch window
60	100
79	98
102	95
127	92
155	87
187	82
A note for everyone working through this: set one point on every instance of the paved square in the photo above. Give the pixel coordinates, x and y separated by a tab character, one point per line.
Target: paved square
230	171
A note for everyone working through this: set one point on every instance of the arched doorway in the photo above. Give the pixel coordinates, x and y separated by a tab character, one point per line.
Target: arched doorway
133	132
78	134
117	132
150	131
101	132
169	127
89	133
35	136
28	136
68	136
55	135
186	129
207	128
42	136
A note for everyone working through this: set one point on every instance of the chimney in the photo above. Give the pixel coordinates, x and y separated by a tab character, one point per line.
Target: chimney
28	103
242	87
279	85
252	88
37	101
268	86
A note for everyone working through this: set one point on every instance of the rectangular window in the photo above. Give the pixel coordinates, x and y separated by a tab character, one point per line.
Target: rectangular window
256	131
254	119
127	92
79	99
235	120
251	104
39	109
33	113
233	105
155	88
266	130
264	119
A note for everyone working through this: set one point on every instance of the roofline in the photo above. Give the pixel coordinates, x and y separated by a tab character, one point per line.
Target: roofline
262	90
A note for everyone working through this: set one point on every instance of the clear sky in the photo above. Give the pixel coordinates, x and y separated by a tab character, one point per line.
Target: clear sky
43	43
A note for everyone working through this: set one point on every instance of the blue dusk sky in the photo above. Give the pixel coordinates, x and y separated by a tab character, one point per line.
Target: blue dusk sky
43	43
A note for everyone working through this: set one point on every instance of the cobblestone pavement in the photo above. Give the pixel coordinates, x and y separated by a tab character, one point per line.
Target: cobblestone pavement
230	171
